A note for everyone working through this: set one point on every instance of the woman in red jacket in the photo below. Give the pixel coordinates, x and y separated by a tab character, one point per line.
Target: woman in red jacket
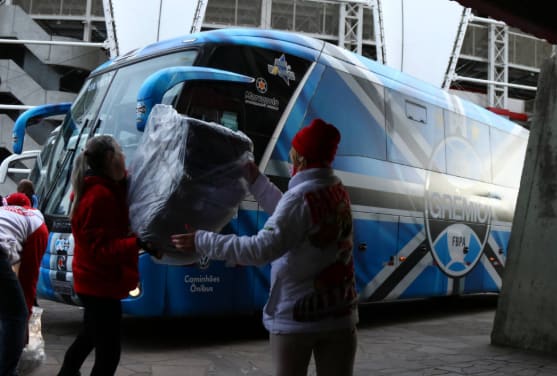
105	263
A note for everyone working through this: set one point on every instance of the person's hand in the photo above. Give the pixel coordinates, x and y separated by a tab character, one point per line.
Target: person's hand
184	242
251	172
148	247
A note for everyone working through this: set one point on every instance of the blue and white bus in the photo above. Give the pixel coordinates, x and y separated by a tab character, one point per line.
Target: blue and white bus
433	178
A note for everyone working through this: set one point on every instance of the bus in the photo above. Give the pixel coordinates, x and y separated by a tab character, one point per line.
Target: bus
433	178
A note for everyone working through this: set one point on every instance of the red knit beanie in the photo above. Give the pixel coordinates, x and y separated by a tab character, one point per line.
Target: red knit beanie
19	199
317	142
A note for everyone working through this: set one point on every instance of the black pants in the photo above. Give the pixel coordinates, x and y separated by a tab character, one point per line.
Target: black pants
13	319
101	331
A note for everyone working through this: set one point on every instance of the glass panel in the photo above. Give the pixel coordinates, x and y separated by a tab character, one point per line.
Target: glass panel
309	17
50	7
118	112
467	144
481	41
475	41
525	53
468	42
508	152
63	140
415	131
282	16
97	8
355	101
368	31
221	12
73	7
38	174
59	204
88	100
331	19
265	100
249	13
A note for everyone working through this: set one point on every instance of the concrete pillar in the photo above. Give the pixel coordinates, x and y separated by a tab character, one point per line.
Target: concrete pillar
526	315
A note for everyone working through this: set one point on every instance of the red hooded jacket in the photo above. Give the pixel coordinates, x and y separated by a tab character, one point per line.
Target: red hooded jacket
106	254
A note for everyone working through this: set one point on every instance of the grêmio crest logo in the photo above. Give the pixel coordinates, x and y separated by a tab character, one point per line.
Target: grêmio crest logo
457	220
457	230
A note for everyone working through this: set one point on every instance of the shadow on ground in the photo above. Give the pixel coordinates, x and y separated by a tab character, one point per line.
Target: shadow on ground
180	332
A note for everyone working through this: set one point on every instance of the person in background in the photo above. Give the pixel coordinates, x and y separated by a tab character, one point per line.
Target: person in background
105	263
27	187
23	241
312	305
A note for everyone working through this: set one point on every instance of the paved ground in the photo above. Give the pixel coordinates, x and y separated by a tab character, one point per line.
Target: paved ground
419	338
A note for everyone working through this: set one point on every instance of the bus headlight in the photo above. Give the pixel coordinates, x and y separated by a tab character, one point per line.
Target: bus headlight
136	291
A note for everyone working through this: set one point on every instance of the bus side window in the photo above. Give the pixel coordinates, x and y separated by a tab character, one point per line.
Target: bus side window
212	102
356	106
508	152
266	99
467	144
224	103
172	95
415	131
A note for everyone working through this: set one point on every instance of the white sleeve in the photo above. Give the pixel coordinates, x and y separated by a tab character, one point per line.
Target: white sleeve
286	228
266	193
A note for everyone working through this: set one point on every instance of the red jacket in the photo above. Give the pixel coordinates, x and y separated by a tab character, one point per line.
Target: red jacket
105	259
31	256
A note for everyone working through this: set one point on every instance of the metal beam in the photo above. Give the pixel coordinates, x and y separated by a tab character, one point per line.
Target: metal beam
457	47
379	31
111	41
488	82
351	20
52	43
498	65
15	107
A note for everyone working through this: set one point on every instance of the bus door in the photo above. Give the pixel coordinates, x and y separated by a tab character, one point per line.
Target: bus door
214	286
255	109
273	97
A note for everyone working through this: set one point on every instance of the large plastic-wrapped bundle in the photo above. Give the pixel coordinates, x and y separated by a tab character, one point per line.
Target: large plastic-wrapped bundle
185	172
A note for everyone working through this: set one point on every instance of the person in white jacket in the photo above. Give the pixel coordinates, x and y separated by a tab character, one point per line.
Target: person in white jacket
23	240
312	305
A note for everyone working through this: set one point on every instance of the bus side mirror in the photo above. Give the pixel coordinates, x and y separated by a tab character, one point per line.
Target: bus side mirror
5	168
153	88
40	111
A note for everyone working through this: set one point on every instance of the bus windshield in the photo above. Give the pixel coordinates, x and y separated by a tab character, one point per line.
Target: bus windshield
55	153
105	105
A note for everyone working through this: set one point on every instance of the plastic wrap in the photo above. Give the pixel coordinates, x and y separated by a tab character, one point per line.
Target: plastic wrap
185	172
33	354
